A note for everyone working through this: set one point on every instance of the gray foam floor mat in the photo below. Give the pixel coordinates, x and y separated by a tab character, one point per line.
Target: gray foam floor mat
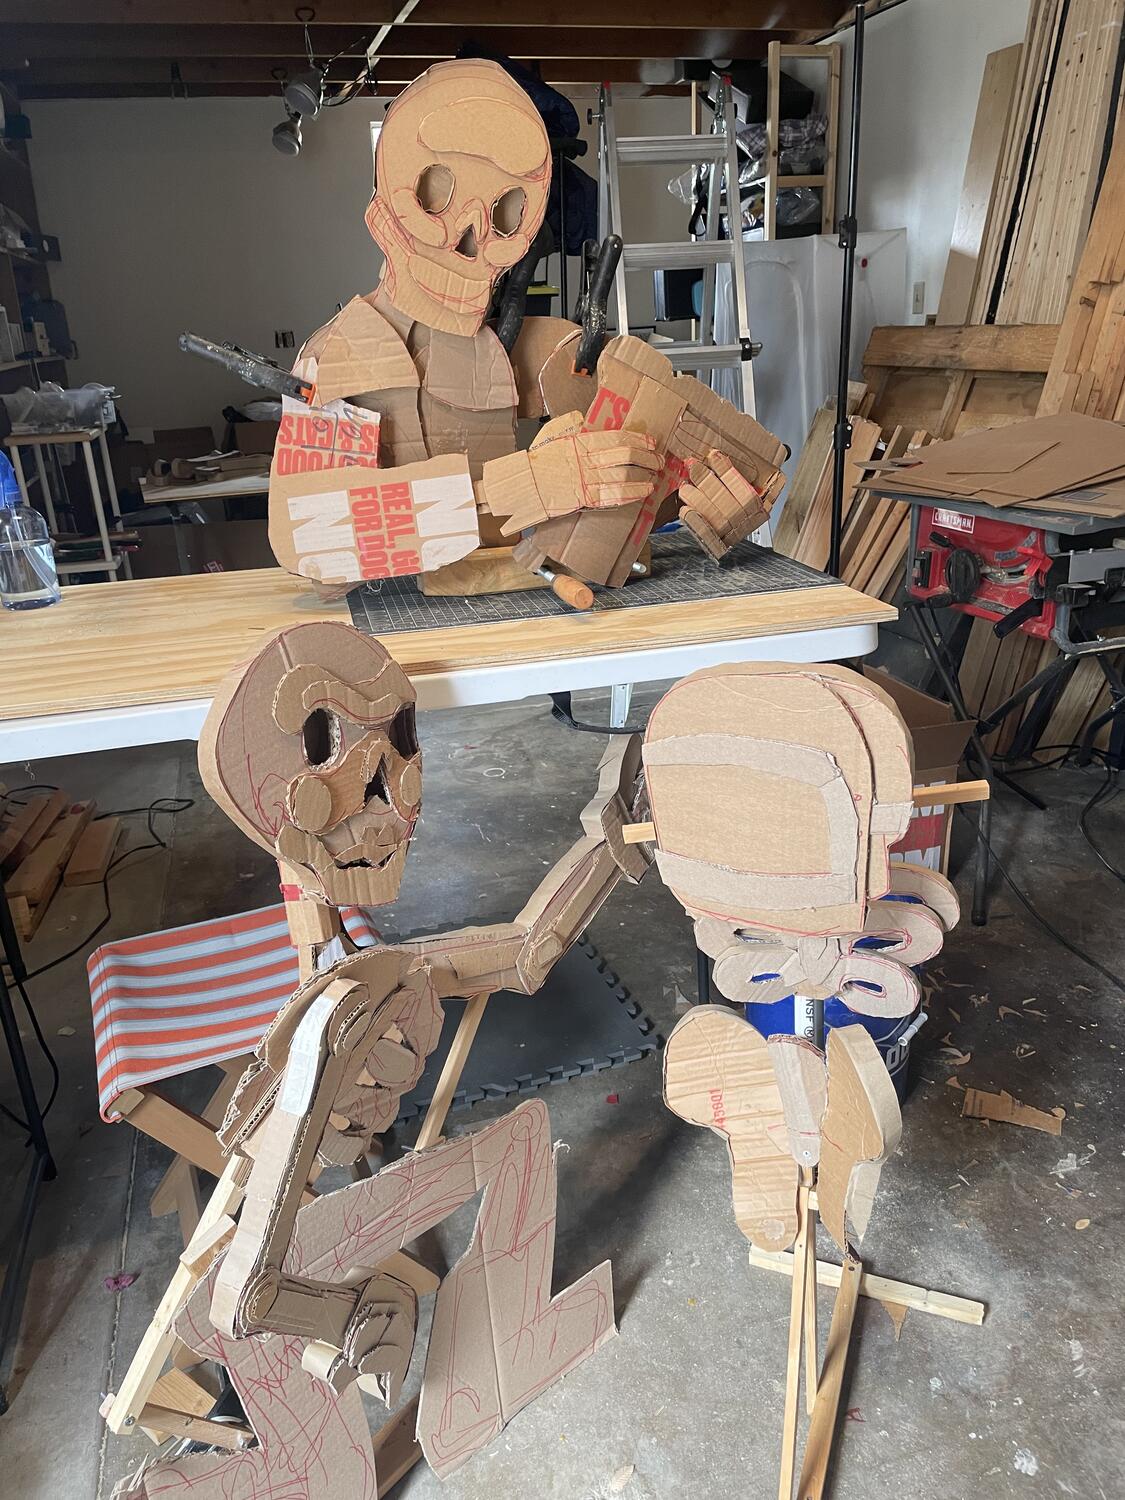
582	1021
681	572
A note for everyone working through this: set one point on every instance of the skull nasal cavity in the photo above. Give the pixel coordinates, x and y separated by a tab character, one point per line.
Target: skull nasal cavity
467	244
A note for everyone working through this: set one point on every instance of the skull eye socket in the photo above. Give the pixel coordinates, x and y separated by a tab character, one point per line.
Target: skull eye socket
434	188
320	736
403	733
507	211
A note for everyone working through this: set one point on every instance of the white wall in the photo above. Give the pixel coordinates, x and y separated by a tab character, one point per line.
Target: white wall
923	64
177	214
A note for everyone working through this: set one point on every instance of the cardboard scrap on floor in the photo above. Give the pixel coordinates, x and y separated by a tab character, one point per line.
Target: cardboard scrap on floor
1002	1107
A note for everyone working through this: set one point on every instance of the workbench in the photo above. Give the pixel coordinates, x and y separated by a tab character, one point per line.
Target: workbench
136	663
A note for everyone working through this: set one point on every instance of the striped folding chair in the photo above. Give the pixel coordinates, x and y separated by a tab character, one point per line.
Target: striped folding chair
190	998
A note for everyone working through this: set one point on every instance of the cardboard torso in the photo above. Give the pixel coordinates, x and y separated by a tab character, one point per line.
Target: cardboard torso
436	393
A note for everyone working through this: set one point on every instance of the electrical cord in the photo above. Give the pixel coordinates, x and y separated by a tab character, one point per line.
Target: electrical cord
1105	794
1038	916
160	805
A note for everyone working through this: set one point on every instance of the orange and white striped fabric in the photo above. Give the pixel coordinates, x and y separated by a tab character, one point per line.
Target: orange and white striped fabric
175	1001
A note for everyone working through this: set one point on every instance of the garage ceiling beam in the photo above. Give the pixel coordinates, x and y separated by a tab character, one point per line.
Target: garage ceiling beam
77	73
781	15
176	43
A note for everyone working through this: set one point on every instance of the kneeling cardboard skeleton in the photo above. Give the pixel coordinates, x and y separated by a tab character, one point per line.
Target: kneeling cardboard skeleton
311	749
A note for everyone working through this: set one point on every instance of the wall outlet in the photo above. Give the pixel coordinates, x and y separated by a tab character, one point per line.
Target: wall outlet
283	338
919	303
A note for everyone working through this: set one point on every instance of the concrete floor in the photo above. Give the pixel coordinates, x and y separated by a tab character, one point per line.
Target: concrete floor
687	1401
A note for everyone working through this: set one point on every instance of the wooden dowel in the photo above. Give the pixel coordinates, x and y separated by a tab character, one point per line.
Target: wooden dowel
944	794
822	1428
793	1364
812	1362
881	1288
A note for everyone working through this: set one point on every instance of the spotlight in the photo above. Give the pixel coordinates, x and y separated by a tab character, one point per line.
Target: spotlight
287	136
304	94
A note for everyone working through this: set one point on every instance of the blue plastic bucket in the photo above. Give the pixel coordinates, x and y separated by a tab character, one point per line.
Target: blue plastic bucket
794	1016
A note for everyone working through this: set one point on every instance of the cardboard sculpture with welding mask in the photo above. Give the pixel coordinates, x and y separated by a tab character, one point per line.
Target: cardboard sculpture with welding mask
462	176
776	792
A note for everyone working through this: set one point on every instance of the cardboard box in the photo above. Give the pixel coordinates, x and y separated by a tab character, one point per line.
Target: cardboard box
939	743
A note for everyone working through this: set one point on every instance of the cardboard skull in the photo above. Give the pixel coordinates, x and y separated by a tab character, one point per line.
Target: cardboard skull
462	172
310	749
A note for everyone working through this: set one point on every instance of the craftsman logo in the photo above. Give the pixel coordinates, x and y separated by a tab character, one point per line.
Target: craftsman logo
954	520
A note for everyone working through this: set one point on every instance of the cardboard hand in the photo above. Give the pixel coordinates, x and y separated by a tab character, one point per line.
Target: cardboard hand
720	506
568	470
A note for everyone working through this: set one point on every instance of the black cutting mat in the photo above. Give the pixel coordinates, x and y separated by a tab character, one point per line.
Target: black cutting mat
681	572
582	1021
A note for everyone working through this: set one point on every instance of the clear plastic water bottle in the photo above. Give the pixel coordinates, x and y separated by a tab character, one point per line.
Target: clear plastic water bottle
28	579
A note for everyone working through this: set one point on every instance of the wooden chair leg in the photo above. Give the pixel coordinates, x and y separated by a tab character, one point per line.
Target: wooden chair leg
442	1101
186	1134
171	1193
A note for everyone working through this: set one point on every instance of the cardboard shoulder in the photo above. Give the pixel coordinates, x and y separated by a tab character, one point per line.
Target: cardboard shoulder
357	351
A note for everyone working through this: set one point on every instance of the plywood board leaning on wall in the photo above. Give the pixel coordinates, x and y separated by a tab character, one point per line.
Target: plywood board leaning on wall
978	190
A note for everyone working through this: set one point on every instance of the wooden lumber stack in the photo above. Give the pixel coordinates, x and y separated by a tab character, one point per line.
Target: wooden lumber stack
38	839
1064	99
953	380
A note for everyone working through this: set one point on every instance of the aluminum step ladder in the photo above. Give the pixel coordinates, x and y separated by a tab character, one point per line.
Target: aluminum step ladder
718	152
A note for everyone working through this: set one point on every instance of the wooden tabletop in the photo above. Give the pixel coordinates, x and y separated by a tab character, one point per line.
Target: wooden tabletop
163	640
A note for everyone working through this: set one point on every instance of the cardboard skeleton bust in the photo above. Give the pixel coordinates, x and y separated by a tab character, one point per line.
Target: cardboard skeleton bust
462	177
311	750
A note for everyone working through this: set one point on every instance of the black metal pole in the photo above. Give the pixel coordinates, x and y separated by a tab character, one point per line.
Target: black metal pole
842	432
42	1166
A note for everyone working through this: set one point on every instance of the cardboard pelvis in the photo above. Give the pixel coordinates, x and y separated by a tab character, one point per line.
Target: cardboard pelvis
343	526
775	792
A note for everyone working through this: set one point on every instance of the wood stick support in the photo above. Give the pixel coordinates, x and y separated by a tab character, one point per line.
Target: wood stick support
812	1362
822	1428
793	1364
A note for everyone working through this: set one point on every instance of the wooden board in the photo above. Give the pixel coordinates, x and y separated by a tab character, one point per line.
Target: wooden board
28	826
1061	172
990	128
93	852
166	640
1029	347
813	543
817	450
1087	373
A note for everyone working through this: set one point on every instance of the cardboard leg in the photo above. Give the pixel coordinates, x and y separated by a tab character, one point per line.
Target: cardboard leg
822	1428
434	1122
812	1362
793	1368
